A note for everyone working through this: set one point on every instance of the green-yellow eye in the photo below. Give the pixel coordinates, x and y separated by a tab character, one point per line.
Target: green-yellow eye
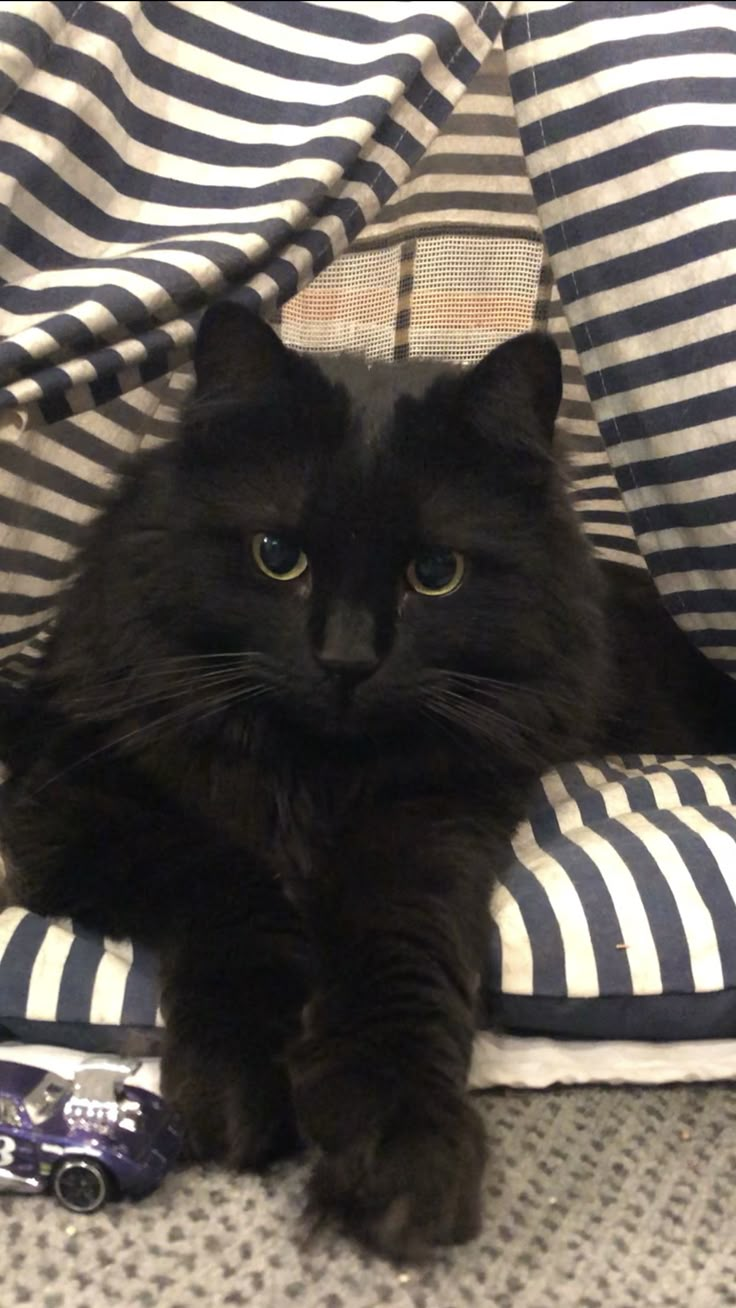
436	571
278	556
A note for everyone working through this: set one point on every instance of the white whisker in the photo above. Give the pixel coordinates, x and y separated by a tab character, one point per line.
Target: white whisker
162	722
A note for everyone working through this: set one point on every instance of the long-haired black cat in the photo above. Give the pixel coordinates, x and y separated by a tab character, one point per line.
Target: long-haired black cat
316	651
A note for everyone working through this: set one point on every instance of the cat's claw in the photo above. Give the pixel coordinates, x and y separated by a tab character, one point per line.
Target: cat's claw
402	1183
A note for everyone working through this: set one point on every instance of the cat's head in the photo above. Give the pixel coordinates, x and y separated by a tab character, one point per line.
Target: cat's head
380	545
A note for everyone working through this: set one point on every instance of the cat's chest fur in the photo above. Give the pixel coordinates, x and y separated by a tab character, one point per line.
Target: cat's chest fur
274	809
292	808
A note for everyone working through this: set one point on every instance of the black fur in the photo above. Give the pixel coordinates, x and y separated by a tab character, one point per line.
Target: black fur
299	791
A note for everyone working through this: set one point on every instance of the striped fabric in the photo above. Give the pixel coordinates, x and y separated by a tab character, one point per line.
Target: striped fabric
53	478
623	882
626	115
140	178
593	486
448	283
60	981
157	154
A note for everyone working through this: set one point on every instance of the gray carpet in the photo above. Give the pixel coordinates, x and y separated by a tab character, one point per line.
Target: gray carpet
596	1198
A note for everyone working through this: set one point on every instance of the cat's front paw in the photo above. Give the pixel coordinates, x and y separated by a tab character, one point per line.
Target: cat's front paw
403	1175
235	1111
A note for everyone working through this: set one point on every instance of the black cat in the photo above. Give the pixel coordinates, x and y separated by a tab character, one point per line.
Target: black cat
317	650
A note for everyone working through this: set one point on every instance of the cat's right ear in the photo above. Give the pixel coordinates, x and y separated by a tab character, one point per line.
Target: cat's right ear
518	386
236	353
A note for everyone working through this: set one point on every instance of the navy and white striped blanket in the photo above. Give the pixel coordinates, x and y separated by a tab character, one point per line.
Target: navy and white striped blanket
404	167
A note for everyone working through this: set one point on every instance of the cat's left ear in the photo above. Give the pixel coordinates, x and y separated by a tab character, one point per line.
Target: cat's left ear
236	352
519	384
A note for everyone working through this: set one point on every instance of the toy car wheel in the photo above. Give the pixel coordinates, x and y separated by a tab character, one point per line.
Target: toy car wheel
81	1184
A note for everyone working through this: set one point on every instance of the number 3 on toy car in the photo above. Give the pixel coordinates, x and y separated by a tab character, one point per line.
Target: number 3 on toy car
7	1150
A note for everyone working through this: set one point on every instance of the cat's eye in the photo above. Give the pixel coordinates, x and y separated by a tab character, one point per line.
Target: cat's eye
436	571
278	556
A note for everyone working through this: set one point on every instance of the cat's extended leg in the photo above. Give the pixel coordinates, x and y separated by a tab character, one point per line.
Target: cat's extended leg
235	977
379	1076
105	847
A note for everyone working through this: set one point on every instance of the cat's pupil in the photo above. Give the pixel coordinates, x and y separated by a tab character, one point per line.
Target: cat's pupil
435	569
279	554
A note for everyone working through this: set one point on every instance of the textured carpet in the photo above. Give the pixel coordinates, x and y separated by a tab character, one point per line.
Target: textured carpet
596	1198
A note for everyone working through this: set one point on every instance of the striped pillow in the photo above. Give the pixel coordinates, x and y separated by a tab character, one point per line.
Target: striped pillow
63	984
617	915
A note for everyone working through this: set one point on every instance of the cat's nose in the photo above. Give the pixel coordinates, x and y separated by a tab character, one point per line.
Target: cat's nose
347	650
349	670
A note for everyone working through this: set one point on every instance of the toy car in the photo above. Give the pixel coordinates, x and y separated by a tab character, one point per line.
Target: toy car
86	1137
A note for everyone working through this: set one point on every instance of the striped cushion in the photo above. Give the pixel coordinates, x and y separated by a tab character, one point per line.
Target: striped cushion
617	913
62	983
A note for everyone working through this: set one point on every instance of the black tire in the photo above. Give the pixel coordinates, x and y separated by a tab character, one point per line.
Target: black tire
81	1185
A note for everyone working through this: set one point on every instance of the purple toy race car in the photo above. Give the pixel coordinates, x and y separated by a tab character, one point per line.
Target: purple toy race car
87	1137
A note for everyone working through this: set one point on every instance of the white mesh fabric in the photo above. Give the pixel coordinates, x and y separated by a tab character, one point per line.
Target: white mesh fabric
471	293
351	305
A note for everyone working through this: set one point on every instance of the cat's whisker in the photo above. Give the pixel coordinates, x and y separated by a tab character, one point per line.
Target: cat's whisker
466	704
465	740
457	738
155	679
98	697
485	724
161	723
165	678
491	725
198	710
492	687
255	693
179	665
167	660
